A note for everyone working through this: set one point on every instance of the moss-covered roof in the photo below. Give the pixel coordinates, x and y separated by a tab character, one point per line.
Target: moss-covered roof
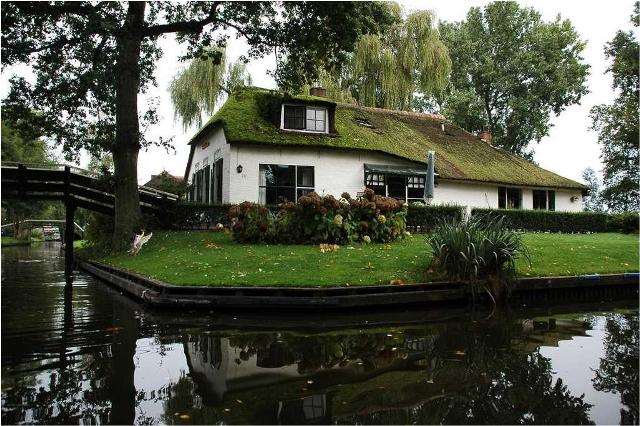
252	115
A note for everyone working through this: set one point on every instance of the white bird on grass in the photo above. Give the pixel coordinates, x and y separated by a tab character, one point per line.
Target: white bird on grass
138	242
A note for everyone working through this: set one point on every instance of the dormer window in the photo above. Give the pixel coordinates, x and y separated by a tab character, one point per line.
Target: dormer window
303	118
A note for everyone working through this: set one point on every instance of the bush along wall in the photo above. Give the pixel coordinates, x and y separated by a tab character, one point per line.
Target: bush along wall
624	222
423	218
547	221
315	219
194	216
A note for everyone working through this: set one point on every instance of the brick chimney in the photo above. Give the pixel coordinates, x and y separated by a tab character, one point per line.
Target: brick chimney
485	136
318	91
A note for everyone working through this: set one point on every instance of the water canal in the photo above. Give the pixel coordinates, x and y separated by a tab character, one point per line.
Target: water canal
95	356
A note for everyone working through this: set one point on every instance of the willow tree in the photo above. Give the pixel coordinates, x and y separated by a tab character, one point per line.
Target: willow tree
197	89
388	70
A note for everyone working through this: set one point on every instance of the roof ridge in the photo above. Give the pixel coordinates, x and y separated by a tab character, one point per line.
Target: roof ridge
433	116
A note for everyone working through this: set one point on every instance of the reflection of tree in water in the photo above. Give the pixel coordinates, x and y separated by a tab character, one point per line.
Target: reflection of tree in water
453	373
618	370
69	394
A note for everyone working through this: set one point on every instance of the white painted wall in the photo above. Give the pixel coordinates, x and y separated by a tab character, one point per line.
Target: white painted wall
466	194
338	171
212	148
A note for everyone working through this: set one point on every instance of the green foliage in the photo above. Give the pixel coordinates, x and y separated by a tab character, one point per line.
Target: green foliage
617	124
626	222
197	89
511	72
477	249
548	221
387	69
314	219
424	218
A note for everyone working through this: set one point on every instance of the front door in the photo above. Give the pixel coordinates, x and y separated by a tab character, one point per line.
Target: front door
396	187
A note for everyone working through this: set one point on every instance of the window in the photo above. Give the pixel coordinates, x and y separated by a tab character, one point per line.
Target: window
294	117
539	199
315	119
509	198
279	183
306	118
415	188
544	200
375	181
406	188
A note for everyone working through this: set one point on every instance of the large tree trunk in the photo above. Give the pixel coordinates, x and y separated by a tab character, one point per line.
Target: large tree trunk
125	152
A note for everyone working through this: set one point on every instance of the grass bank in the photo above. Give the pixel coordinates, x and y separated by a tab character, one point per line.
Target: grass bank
208	258
10	241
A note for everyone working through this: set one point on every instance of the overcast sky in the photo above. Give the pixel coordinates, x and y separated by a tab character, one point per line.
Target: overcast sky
569	148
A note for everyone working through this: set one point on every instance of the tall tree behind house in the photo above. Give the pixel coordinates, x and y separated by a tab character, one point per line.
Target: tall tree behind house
617	123
511	73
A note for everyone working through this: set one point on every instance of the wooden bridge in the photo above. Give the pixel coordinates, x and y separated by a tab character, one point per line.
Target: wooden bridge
76	188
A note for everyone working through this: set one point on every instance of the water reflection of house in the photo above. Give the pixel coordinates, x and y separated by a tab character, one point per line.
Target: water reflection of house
217	366
389	379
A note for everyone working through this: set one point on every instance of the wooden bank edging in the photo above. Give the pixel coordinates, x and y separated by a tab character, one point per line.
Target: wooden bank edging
160	294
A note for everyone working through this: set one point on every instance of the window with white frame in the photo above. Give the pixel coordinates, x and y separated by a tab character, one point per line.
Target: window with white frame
280	183
304	118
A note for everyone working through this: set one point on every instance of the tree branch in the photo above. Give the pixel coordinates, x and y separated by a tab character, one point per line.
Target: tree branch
182	26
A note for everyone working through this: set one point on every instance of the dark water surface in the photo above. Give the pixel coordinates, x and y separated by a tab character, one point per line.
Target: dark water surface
97	357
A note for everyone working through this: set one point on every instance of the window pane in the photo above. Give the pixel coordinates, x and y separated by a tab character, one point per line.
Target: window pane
552	200
286	194
305	176
304	191
268	173
271	196
286	176
514	198
294	117
502	195
539	199
415	192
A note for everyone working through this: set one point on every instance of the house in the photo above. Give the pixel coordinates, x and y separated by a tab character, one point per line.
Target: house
166	182
265	146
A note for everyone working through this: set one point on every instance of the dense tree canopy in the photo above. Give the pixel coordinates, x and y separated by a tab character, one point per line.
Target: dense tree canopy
87	97
617	123
511	72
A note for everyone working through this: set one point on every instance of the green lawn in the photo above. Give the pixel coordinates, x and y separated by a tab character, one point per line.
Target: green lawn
208	258
10	241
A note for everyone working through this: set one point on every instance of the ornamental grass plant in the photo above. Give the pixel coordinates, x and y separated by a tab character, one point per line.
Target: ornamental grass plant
481	251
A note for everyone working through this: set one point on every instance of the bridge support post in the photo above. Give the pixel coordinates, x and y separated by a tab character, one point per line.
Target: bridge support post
68	242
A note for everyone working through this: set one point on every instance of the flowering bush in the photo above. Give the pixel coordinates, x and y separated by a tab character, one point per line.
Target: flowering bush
315	220
252	223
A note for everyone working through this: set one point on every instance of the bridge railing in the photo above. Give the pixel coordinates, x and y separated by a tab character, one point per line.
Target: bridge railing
152	192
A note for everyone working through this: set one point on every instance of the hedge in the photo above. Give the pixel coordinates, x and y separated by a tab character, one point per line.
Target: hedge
422	218
543	220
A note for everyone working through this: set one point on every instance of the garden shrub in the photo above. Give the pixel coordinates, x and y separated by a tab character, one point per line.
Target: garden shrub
481	251
422	218
548	221
626	222
315	219
192	216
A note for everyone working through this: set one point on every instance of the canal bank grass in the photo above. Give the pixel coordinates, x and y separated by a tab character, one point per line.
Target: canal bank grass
214	259
10	241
